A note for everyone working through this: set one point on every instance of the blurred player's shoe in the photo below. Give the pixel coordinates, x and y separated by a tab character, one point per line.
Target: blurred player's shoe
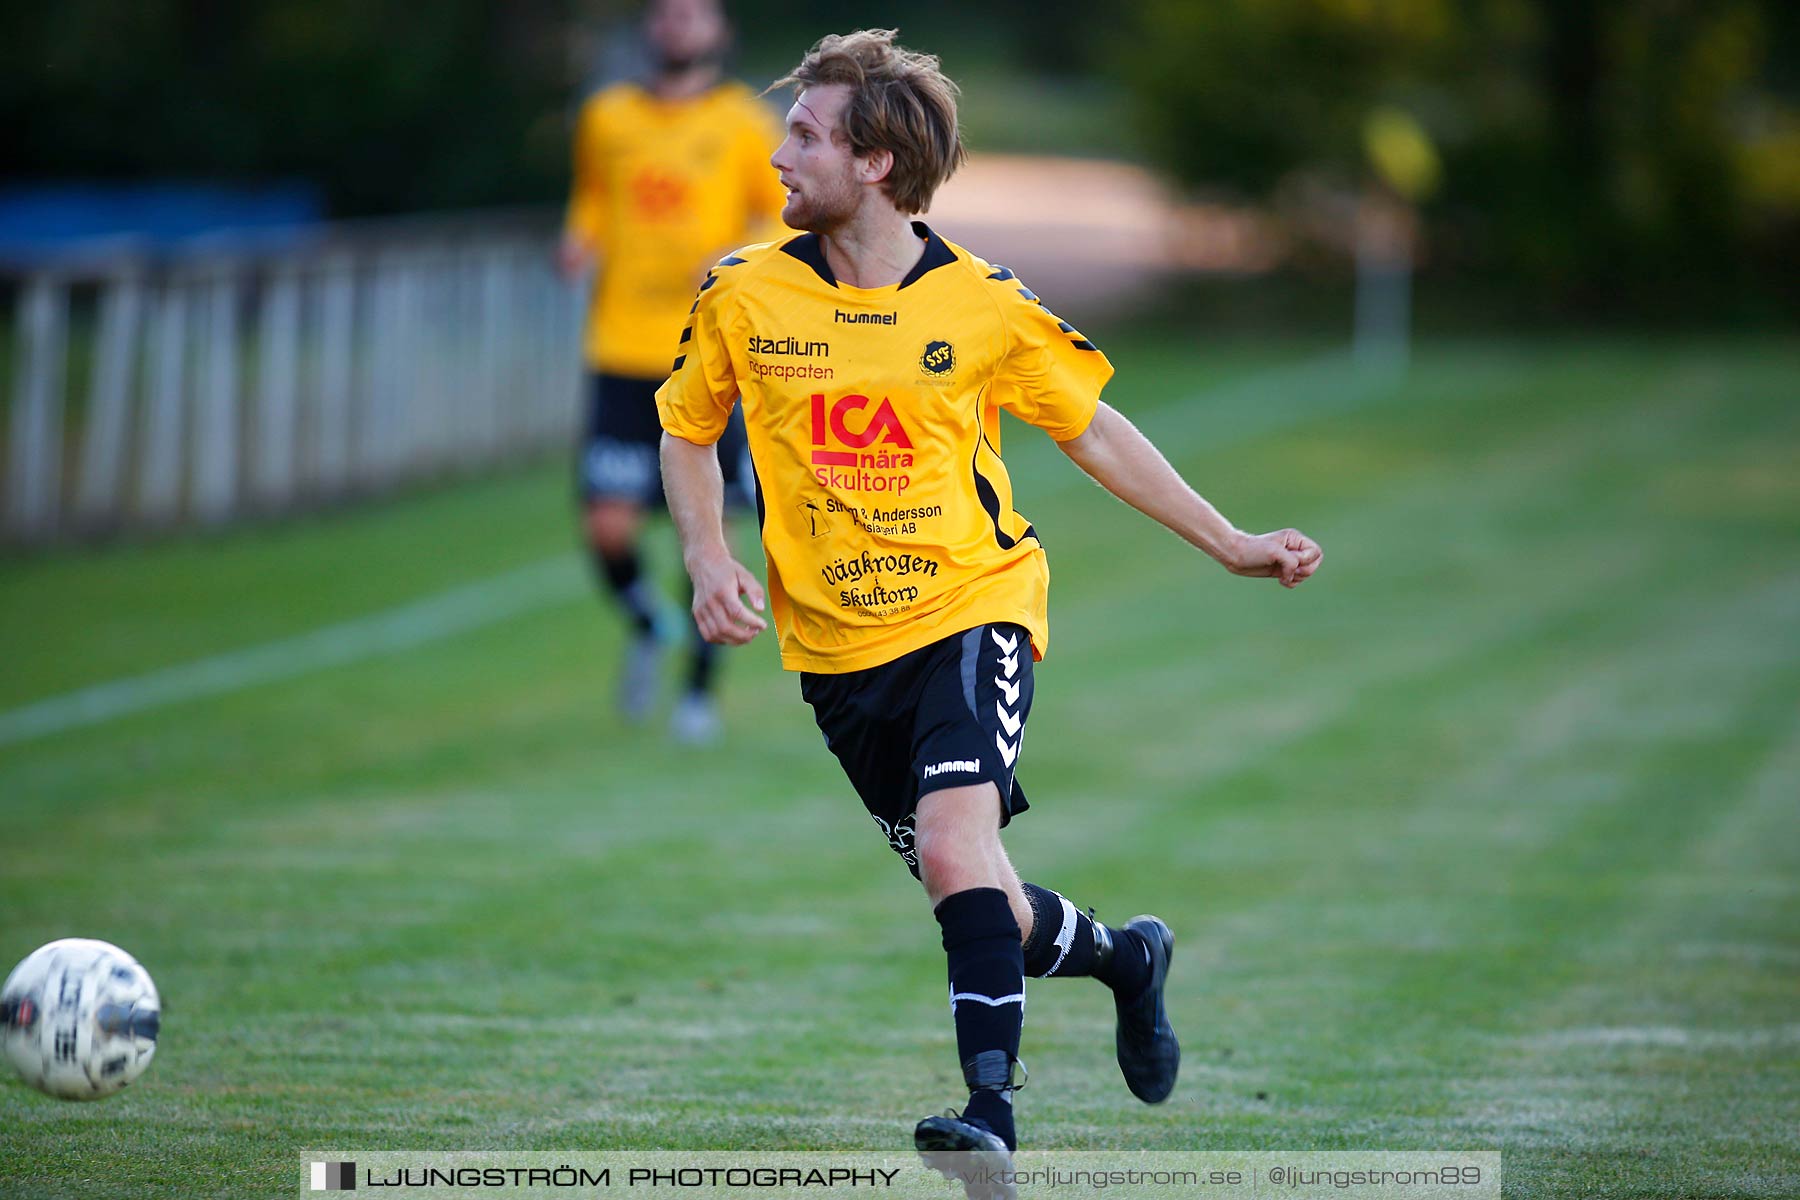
1149	1055
695	721
968	1152
639	676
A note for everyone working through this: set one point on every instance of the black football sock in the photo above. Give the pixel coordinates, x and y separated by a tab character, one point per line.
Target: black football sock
1066	941
1127	970
700	671
987	1000
624	576
706	657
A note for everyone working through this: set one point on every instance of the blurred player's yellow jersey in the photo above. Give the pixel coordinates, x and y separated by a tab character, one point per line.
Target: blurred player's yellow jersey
661	189
874	422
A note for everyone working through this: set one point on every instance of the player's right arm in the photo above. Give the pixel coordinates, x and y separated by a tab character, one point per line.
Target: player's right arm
694	406
696	493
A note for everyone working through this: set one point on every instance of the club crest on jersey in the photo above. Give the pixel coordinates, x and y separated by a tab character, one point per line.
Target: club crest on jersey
658	194
939	358
864	436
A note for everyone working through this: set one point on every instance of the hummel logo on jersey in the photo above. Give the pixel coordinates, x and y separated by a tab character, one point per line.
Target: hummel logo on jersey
955	764
840	317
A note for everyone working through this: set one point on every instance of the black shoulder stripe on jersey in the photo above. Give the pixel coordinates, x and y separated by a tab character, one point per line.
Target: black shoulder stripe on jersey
710	280
936	255
677	365
1002	274
1079	342
685	335
731	260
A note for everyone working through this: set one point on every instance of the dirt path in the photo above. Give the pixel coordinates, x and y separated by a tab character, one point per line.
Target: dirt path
1092	236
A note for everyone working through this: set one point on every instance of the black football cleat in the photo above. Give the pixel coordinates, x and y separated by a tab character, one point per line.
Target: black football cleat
1149	1055
969	1153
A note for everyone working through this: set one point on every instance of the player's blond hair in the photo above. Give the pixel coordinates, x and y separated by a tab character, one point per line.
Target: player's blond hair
900	101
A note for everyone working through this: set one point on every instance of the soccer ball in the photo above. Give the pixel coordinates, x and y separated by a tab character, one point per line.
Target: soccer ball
79	1019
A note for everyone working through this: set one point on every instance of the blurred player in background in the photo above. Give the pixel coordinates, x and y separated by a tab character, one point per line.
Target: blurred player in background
668	174
873	358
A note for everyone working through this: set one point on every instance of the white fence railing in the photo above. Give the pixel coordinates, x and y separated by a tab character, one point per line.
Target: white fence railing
217	384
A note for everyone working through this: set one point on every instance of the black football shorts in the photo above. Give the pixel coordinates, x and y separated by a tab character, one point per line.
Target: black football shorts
621	451
946	715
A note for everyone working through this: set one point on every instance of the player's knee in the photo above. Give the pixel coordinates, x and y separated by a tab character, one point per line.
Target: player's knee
943	865
957	839
612	526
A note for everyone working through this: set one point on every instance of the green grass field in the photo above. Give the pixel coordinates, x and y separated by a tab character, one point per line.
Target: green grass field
1486	838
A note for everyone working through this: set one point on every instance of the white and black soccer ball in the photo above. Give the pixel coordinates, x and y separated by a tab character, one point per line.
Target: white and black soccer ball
79	1018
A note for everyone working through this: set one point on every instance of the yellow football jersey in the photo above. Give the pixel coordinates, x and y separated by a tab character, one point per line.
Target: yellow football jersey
661	189
874	422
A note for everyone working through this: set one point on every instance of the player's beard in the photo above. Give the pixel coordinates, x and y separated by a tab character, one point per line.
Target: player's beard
680	64
823	207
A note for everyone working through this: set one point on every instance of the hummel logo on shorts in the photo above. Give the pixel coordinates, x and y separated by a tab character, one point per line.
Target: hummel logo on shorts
955	764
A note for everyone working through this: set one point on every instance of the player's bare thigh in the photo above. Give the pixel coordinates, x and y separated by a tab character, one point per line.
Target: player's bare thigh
957	835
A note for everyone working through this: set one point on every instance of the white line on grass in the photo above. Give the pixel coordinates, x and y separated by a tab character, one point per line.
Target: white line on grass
392	631
1664	1037
1238	410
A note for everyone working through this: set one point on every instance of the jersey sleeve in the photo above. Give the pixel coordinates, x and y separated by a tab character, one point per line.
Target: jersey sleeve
585	217
1050	375
696	401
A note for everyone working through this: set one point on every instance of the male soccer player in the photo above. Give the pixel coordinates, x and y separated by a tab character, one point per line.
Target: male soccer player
873	359
669	174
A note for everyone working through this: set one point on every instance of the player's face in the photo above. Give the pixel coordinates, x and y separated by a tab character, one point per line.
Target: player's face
685	32
815	163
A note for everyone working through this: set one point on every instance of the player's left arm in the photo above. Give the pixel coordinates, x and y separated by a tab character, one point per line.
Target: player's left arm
1123	461
695	488
1051	376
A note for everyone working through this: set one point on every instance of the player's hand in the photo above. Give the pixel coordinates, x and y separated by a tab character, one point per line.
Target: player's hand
572	257
1286	554
725	592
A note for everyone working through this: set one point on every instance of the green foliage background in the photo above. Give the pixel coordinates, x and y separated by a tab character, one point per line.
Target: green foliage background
1623	155
1633	155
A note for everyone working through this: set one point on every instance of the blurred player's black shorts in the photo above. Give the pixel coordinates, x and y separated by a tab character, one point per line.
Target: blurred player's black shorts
950	714
620	452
